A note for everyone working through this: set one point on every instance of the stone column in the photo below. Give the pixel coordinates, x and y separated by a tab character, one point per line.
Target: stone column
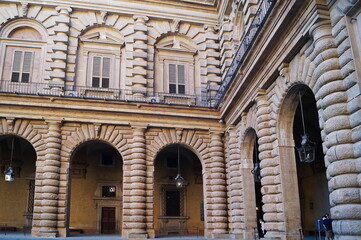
50	182
212	59
134	206
235	188
218	201
341	133
60	47
140	55
225	46
271	184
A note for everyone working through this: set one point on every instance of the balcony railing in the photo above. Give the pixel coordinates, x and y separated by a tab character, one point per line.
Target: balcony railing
255	27
111	94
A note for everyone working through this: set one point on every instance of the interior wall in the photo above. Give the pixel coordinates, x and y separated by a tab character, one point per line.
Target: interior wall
14	195
191	171
83	208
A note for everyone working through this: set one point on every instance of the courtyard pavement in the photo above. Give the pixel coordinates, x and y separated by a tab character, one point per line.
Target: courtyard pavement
22	236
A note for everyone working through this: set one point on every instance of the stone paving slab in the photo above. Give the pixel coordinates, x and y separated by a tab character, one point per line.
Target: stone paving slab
22	236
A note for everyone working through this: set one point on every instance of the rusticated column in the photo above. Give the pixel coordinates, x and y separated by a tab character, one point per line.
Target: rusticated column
218	203
271	184
134	207
50	182
342	135
235	188
212	59
225	33
60	47
140	54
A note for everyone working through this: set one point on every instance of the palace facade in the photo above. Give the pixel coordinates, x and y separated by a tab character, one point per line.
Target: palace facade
253	106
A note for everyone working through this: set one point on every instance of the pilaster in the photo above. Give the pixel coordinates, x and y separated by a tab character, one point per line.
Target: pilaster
135	172
50	182
140	55
212	59
218	204
235	188
60	47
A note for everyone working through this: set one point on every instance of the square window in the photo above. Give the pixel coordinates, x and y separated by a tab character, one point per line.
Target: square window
109	191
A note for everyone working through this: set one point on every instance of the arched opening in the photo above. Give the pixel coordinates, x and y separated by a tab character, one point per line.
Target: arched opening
178	211
304	184
251	180
17	196
96	189
312	182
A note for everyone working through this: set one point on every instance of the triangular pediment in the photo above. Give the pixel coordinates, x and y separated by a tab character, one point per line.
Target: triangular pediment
176	45
102	37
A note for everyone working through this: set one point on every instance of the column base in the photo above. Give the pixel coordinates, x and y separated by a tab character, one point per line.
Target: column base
138	235
48	233
236	235
220	235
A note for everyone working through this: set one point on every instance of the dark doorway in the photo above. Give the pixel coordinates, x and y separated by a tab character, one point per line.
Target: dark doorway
173	203
108	220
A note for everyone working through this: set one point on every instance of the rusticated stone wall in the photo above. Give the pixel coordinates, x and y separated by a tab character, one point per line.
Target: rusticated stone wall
344	142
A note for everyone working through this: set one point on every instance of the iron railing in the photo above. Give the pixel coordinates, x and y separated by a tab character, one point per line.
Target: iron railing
70	91
255	27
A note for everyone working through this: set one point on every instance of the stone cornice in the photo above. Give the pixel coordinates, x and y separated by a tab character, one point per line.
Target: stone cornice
150	8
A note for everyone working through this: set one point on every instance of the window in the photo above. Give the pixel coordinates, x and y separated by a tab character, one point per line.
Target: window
176	67
101	72
21	66
177	78
109	191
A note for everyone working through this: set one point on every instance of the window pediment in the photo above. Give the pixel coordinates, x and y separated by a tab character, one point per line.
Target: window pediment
176	45
102	37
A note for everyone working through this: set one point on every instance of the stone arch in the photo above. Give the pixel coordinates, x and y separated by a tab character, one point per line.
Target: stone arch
158	139
188	138
24	129
81	22
249	217
14	24
88	132
73	137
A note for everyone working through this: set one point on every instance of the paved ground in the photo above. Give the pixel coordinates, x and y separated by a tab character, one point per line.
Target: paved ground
22	236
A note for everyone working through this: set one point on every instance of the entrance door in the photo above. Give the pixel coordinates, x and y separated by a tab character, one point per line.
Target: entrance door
108	220
173	203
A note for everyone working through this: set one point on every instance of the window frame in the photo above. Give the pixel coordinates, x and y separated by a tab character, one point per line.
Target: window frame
21	71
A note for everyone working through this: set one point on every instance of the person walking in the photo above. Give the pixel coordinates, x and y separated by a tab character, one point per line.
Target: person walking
327	224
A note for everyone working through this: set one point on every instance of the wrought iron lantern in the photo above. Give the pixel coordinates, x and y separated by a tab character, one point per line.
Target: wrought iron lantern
9	174
256	171
179	180
307	150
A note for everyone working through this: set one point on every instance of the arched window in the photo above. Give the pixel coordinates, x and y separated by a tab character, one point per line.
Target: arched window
23	49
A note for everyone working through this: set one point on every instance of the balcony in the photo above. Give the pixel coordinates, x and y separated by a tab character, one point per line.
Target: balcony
262	13
110	94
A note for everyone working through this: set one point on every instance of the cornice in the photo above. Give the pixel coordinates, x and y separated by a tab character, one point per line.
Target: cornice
152	8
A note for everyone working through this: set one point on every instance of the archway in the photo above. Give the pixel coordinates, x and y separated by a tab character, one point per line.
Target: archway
312	182
178	211
96	189
304	184
251	179
17	197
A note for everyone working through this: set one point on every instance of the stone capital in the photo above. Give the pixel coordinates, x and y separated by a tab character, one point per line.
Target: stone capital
64	9
141	18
